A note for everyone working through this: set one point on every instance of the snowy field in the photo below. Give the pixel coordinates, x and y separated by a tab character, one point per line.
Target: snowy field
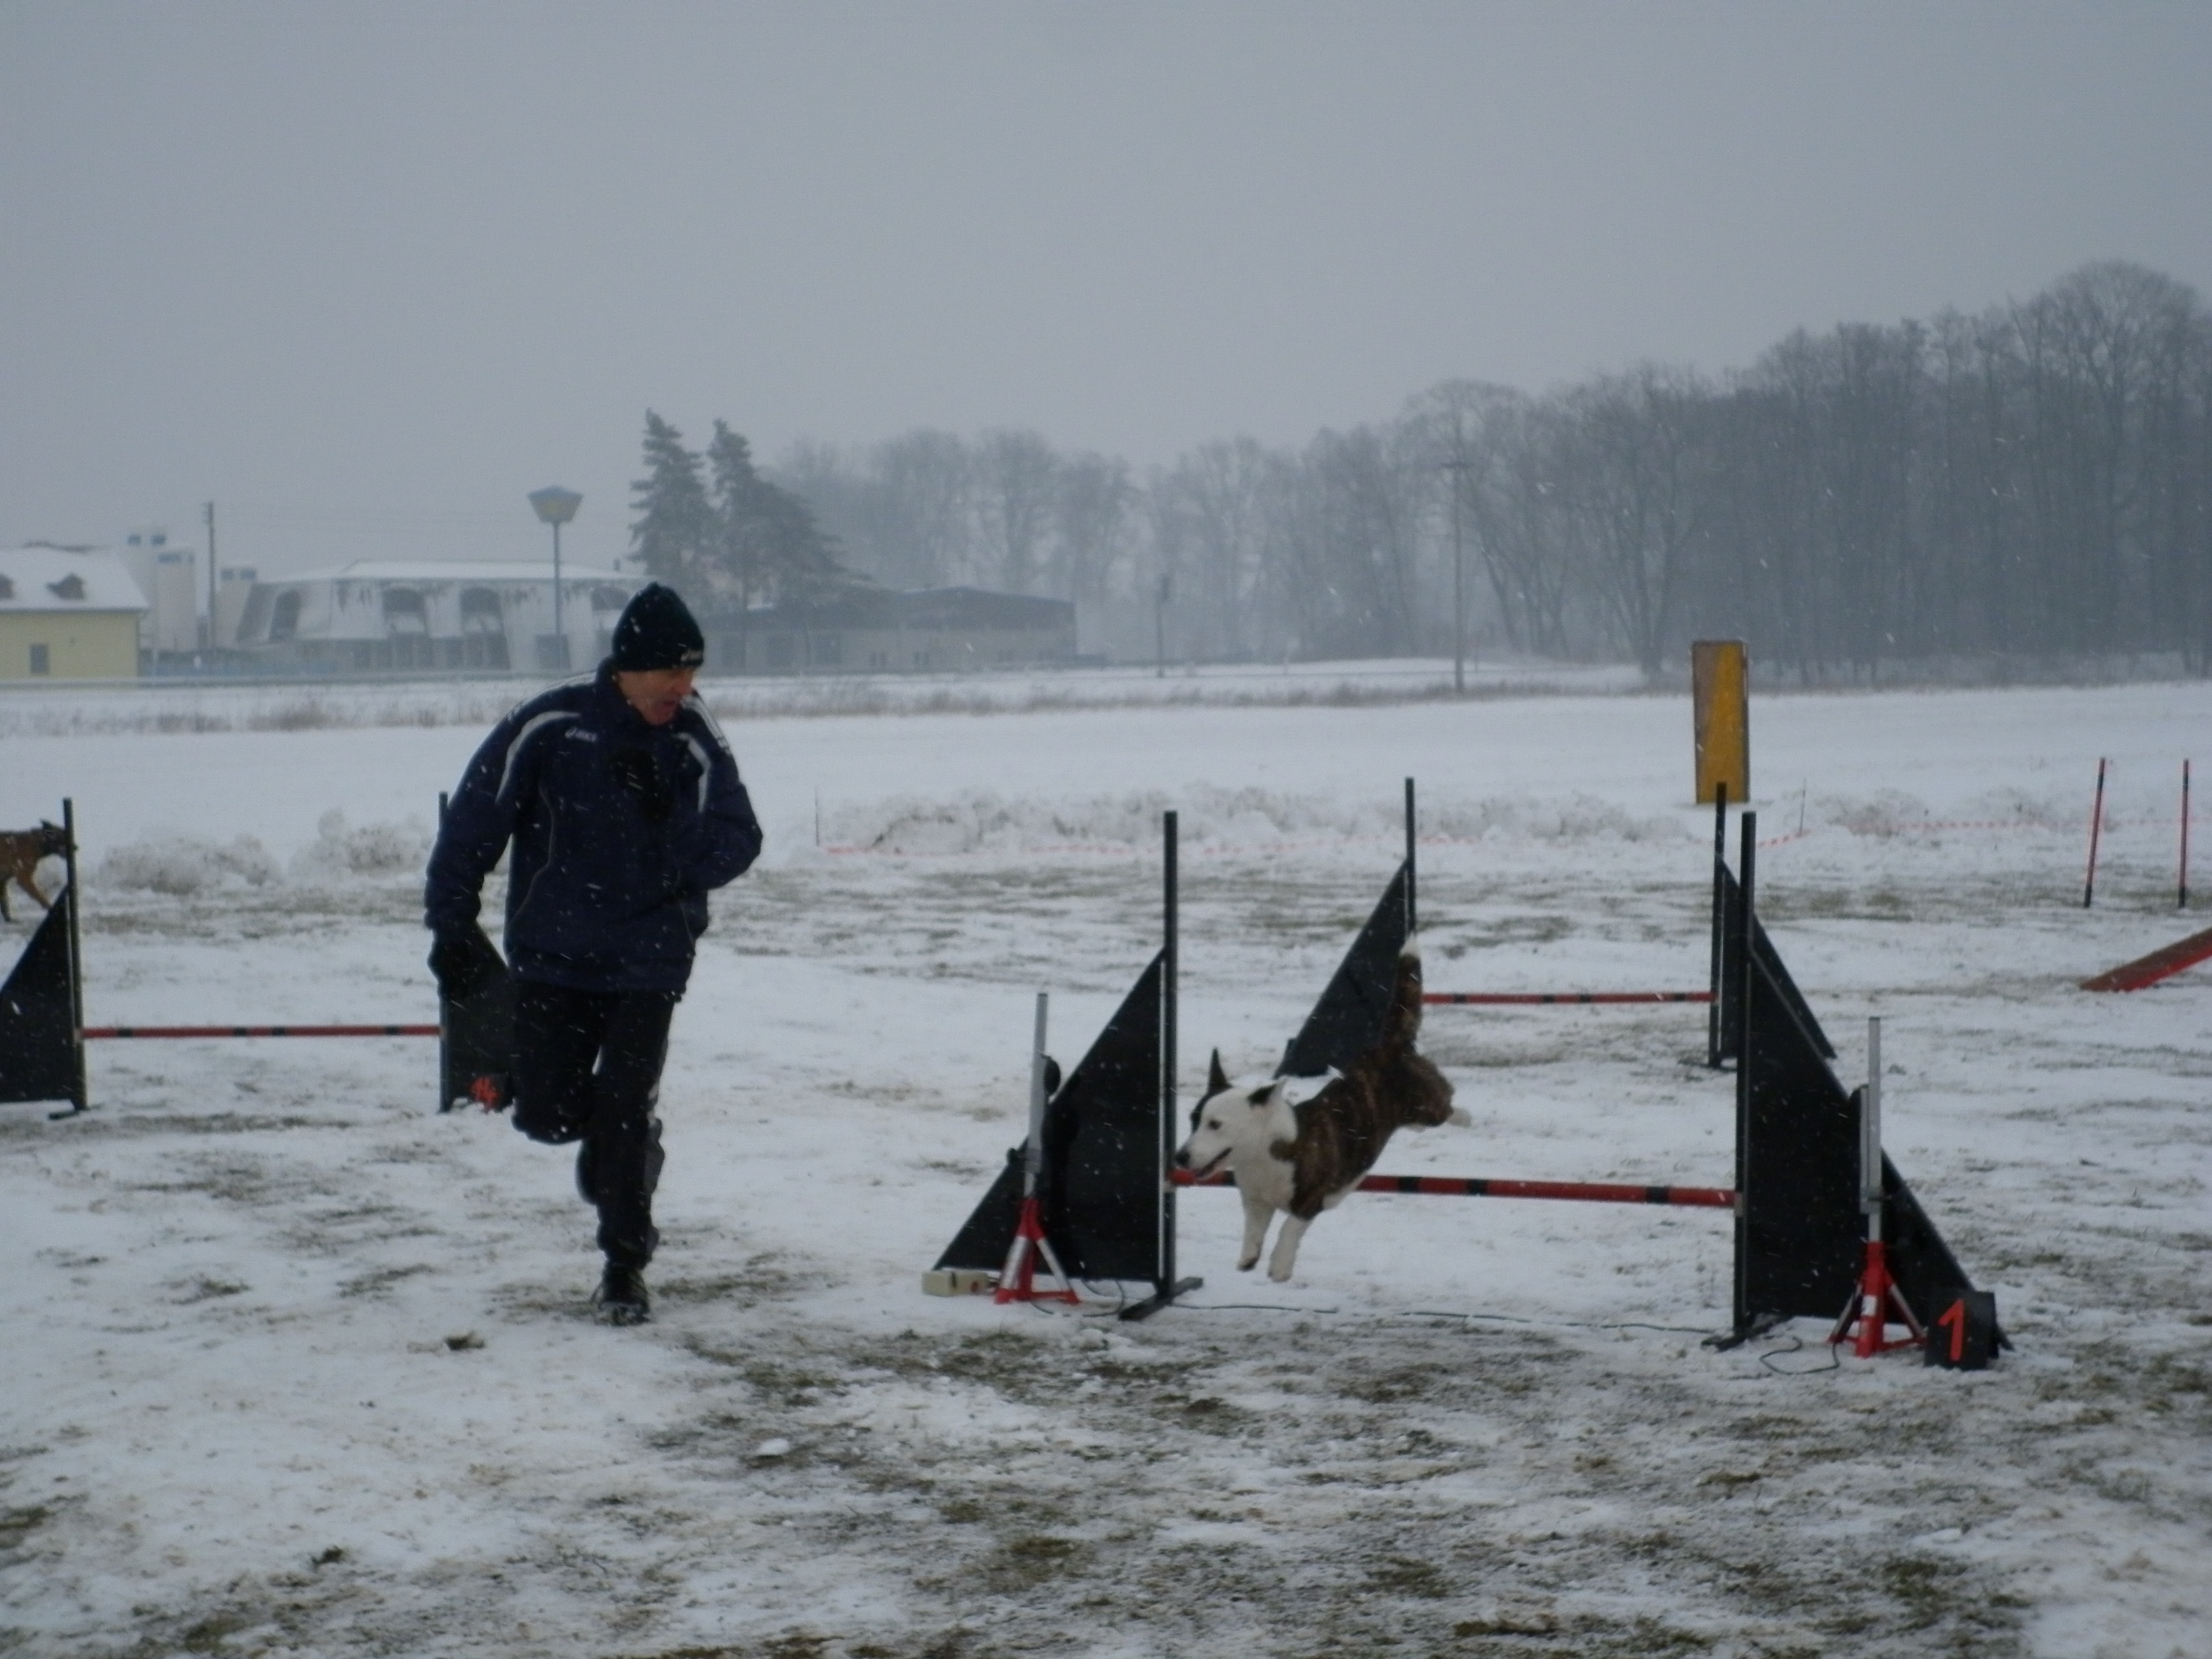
295	1366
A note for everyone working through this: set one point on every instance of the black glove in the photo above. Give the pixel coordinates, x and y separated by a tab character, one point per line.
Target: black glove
464	964
636	771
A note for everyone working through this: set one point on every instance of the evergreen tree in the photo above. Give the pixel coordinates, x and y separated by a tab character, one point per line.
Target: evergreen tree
675	525
740	522
766	546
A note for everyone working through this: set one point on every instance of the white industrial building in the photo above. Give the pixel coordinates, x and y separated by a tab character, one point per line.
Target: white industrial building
376	614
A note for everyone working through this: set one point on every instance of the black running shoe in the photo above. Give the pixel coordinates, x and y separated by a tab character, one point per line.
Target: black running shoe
621	1299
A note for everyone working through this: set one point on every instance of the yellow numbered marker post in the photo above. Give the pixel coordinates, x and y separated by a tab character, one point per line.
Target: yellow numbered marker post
1720	683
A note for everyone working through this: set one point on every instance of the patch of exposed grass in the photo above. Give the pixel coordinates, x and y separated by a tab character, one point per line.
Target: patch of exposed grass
1401	1575
1031	1559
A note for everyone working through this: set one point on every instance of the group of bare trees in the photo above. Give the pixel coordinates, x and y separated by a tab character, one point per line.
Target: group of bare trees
2034	481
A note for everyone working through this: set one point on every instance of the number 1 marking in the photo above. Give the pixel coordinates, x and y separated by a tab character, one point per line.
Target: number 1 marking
1955	1317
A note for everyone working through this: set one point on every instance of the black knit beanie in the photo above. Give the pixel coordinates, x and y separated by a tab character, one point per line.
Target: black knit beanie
657	630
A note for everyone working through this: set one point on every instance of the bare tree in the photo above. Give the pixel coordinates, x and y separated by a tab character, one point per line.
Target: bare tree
1211	506
927	482
1091	515
1017	477
1634	490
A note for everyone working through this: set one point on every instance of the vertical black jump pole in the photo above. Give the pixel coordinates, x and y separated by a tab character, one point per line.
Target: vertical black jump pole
1412	915
445	1027
1166	1287
1747	855
81	1096
2182	902
1720	921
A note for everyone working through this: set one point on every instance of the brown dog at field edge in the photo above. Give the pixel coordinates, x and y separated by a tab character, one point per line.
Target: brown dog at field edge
20	853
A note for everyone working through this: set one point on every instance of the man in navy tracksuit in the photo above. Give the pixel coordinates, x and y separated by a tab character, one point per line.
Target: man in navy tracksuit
624	807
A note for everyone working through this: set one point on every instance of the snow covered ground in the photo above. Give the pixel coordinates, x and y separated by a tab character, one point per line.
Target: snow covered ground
295	1366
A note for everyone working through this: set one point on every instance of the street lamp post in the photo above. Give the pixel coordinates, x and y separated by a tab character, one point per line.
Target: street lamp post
556	506
1457	468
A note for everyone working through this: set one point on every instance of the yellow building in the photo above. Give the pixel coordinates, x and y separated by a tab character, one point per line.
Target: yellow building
67	614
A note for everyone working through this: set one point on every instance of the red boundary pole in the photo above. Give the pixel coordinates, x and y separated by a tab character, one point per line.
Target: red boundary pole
2096	823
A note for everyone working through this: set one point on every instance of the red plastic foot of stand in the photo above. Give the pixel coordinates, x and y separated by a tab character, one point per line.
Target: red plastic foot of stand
1874	1306
1019	1282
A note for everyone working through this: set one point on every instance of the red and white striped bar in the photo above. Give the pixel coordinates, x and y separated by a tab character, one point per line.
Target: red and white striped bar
1547	999
1588	1192
92	1032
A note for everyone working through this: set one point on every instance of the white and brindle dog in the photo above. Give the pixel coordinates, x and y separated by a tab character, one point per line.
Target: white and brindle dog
1299	1144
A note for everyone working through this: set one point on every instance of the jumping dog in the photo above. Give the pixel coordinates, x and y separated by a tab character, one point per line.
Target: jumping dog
1299	1144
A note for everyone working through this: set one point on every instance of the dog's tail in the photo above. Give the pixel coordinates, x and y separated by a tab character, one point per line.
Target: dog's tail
1404	1023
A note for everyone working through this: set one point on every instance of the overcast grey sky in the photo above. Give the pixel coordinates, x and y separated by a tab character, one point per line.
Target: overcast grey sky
366	275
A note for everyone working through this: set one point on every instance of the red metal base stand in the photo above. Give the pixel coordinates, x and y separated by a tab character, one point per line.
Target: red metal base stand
1874	1306
1017	1283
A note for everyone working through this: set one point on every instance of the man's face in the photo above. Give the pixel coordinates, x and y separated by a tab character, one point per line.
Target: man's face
655	693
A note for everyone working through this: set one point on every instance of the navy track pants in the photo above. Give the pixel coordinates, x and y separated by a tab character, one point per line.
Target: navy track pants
587	1068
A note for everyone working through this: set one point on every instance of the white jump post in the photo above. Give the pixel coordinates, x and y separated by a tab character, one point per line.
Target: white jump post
1870	1136
1017	1281
1877	1302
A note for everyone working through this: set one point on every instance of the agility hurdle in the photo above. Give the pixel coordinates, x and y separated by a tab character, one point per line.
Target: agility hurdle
1723	1020
1801	1198
1098	1150
1587	1192
1557	999
43	1029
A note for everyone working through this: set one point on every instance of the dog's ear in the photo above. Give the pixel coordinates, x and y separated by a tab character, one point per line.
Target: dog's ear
1216	1079
1265	1094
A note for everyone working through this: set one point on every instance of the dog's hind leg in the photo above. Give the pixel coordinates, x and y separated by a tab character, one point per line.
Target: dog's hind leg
1258	1212
1285	1255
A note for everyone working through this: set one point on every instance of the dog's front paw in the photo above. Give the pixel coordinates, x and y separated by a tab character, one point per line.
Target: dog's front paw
1245	1264
1279	1271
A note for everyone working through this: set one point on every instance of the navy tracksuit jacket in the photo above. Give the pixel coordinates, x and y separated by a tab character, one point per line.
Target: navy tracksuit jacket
607	889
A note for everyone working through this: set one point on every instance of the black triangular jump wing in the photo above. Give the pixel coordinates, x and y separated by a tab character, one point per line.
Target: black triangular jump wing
1801	1233
40	1058
1349	1018
1105	1205
1731	1044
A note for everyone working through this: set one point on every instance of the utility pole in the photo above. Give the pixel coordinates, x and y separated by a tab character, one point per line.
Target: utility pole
1457	467
210	617
1160	628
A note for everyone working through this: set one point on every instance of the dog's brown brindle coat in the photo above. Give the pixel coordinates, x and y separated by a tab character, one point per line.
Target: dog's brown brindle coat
1343	1129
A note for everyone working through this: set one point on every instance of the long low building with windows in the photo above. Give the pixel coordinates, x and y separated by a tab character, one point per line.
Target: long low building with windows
375	614
929	630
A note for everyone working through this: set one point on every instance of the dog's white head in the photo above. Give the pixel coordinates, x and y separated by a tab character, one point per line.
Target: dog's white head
1234	1120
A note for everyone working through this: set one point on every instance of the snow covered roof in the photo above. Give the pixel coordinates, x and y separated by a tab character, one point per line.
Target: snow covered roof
458	570
60	578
